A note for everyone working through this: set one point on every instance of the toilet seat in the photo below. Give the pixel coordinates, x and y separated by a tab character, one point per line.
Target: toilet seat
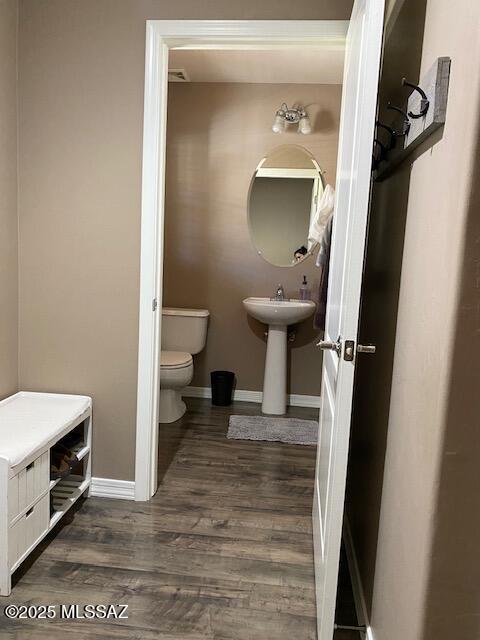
175	359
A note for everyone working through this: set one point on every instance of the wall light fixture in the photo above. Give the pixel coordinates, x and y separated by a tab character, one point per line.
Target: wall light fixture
295	115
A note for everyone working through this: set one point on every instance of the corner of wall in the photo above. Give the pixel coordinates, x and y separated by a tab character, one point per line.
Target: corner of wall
9	188
17	100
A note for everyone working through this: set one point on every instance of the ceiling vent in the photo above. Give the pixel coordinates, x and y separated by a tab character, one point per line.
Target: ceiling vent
178	75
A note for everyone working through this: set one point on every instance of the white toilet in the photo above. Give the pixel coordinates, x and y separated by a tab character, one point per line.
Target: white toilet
184	333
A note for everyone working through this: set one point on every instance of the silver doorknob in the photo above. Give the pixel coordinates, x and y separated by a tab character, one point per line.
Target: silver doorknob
366	348
328	345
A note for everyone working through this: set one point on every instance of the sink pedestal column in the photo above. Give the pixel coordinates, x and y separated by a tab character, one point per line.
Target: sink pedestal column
275	380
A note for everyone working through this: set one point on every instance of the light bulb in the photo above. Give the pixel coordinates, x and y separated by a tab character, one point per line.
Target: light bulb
278	124
304	125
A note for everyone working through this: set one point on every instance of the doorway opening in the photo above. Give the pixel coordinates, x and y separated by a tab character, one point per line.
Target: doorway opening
348	242
167	39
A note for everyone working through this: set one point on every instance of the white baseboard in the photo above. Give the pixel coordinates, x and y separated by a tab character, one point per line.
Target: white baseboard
243	395
109	488
357	587
298	400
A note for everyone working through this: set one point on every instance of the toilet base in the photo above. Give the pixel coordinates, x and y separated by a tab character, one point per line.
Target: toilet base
171	406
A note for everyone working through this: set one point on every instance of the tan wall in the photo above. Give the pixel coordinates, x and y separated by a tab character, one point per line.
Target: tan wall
213	151
81	66
426	567
8	199
453	604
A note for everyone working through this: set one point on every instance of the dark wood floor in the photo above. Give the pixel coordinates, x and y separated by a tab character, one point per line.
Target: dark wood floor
222	552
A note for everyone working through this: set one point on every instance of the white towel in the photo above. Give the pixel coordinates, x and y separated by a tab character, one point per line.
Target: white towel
322	216
323	255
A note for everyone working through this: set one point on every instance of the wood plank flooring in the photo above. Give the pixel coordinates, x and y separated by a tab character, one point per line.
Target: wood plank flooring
222	552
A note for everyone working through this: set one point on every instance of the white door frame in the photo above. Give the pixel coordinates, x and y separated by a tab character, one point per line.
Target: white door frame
161	36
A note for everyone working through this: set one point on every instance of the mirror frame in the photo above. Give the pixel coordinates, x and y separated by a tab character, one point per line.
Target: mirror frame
249	217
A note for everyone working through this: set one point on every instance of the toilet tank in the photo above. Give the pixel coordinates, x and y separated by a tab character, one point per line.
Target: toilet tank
184	329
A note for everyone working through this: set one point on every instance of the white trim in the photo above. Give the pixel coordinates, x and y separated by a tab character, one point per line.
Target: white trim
357	587
239	394
160	36
151	262
332	45
109	488
192	34
277	172
244	395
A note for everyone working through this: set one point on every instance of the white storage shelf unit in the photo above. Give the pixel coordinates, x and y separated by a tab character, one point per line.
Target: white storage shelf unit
30	425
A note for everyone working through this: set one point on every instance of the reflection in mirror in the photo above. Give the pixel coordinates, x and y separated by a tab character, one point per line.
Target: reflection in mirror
284	192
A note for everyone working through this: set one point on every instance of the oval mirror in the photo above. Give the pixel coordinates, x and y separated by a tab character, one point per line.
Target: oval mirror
285	189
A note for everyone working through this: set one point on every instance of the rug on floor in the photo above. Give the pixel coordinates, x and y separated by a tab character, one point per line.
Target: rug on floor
288	430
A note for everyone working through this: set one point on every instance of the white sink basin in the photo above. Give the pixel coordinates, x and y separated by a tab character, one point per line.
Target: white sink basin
279	312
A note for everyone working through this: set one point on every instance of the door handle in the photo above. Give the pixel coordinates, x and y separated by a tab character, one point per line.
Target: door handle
366	348
328	345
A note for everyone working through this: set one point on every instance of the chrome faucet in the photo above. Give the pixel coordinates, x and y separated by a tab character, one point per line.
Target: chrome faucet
280	294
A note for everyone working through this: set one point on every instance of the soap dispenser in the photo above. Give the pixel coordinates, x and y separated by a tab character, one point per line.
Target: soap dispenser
304	290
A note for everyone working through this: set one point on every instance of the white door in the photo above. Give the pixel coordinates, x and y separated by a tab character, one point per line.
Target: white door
357	124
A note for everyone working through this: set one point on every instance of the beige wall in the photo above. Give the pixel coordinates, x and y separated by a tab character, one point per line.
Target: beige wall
210	262
425	563
8	199
81	69
453	605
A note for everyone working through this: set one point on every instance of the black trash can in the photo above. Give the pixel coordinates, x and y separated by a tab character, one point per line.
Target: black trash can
222	387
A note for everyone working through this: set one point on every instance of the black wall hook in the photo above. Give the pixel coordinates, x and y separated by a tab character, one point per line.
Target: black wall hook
406	122
392	132
424	102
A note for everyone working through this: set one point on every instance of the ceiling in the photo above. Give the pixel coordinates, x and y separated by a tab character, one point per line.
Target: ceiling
312	65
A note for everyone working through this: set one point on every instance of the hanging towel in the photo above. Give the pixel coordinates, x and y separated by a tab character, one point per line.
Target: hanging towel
322	215
323	261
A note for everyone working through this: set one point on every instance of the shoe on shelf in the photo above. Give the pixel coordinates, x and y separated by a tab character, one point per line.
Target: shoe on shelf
68	455
59	467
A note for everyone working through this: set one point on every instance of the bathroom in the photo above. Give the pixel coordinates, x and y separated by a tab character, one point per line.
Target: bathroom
219	130
229	239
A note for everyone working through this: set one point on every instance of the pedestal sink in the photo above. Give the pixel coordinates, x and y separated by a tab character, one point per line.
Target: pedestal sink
278	314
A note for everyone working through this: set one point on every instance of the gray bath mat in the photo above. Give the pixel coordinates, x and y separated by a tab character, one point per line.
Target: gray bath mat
289	430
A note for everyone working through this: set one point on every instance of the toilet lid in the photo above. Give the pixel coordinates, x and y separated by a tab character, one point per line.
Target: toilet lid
175	359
